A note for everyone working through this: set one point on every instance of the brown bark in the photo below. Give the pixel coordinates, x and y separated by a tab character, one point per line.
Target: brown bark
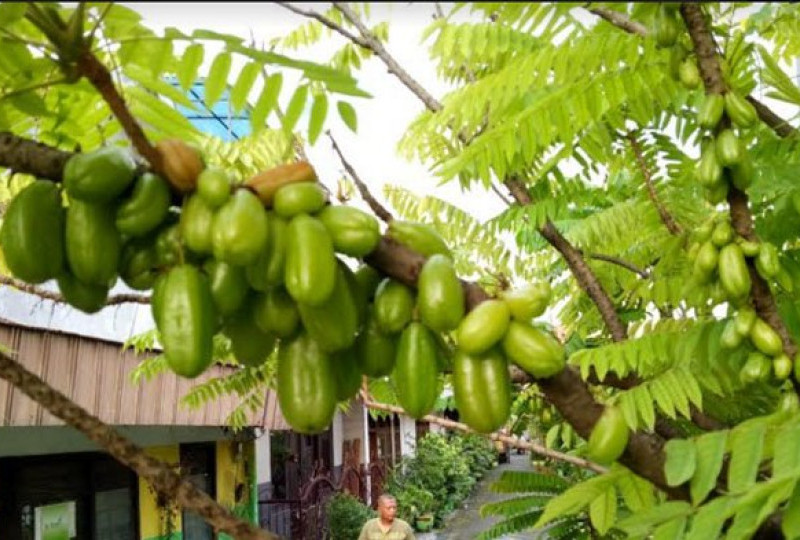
163	479
97	74
23	155
373	203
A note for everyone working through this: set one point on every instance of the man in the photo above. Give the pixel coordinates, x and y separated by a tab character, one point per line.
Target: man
386	526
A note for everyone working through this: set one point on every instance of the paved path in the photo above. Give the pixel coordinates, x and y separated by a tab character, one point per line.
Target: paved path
466	522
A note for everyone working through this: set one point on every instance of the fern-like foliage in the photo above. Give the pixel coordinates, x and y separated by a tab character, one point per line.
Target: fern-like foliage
763	474
522	512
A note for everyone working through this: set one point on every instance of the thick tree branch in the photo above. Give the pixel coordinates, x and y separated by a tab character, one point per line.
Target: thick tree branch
767	115
666	217
373	203
23	155
50	295
97	74
741	217
513	442
165	481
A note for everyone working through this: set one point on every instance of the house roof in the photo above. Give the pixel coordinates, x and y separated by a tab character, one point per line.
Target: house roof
95	374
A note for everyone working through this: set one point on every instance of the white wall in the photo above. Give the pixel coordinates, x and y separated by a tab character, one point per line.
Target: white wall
338	438
263	461
408	435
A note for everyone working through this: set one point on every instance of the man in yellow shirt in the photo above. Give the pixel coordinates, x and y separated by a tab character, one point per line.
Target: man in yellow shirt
386	526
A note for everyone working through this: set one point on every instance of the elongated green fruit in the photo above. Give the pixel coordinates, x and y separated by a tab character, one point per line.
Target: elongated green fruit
482	390
765	339
420	237
483	327
708	171
310	271
415	371
535	351
711	110
729	149
733	272
740	111
440	297
609	437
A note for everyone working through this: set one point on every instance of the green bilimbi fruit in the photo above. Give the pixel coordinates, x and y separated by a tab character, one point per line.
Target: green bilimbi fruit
704	231
529	301
723	234
440	298
310	268
729	149
741	112
483	327
196	225
784	279
482	389
99	176
393	306
275	312
742	173
733	272
707	258
718	193
749	248
334	323
251	345
300	198
415	371
375	351
765	339
536	352
420	237
688	74
756	368
32	233
744	320
214	187
731	338
708	171
240	229
665	28
768	262
782	367
609	437
146	208
268	269
711	110
353	232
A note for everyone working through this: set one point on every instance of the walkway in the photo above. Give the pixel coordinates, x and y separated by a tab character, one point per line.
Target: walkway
466	523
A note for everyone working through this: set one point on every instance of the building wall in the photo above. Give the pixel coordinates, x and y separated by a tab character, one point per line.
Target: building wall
156	522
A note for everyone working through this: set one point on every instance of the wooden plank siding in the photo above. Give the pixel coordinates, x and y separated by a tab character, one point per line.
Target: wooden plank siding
96	375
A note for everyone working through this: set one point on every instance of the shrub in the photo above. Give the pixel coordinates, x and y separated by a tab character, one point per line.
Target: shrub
346	516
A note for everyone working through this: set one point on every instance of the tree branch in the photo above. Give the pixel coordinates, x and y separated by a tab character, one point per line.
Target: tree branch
622	21
514	442
372	43
741	217
97	74
165	481
326	22
55	297
644	274
23	155
666	217
373	203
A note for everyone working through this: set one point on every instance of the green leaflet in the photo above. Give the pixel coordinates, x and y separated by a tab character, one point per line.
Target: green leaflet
578	497
319	110
603	510
190	62
642	522
790	526
217	78
295	108
710	452
680	464
348	115
241	88
786	452
746	446
671	530
266	101
709	520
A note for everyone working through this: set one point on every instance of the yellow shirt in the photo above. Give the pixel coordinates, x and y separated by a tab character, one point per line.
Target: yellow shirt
400	530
